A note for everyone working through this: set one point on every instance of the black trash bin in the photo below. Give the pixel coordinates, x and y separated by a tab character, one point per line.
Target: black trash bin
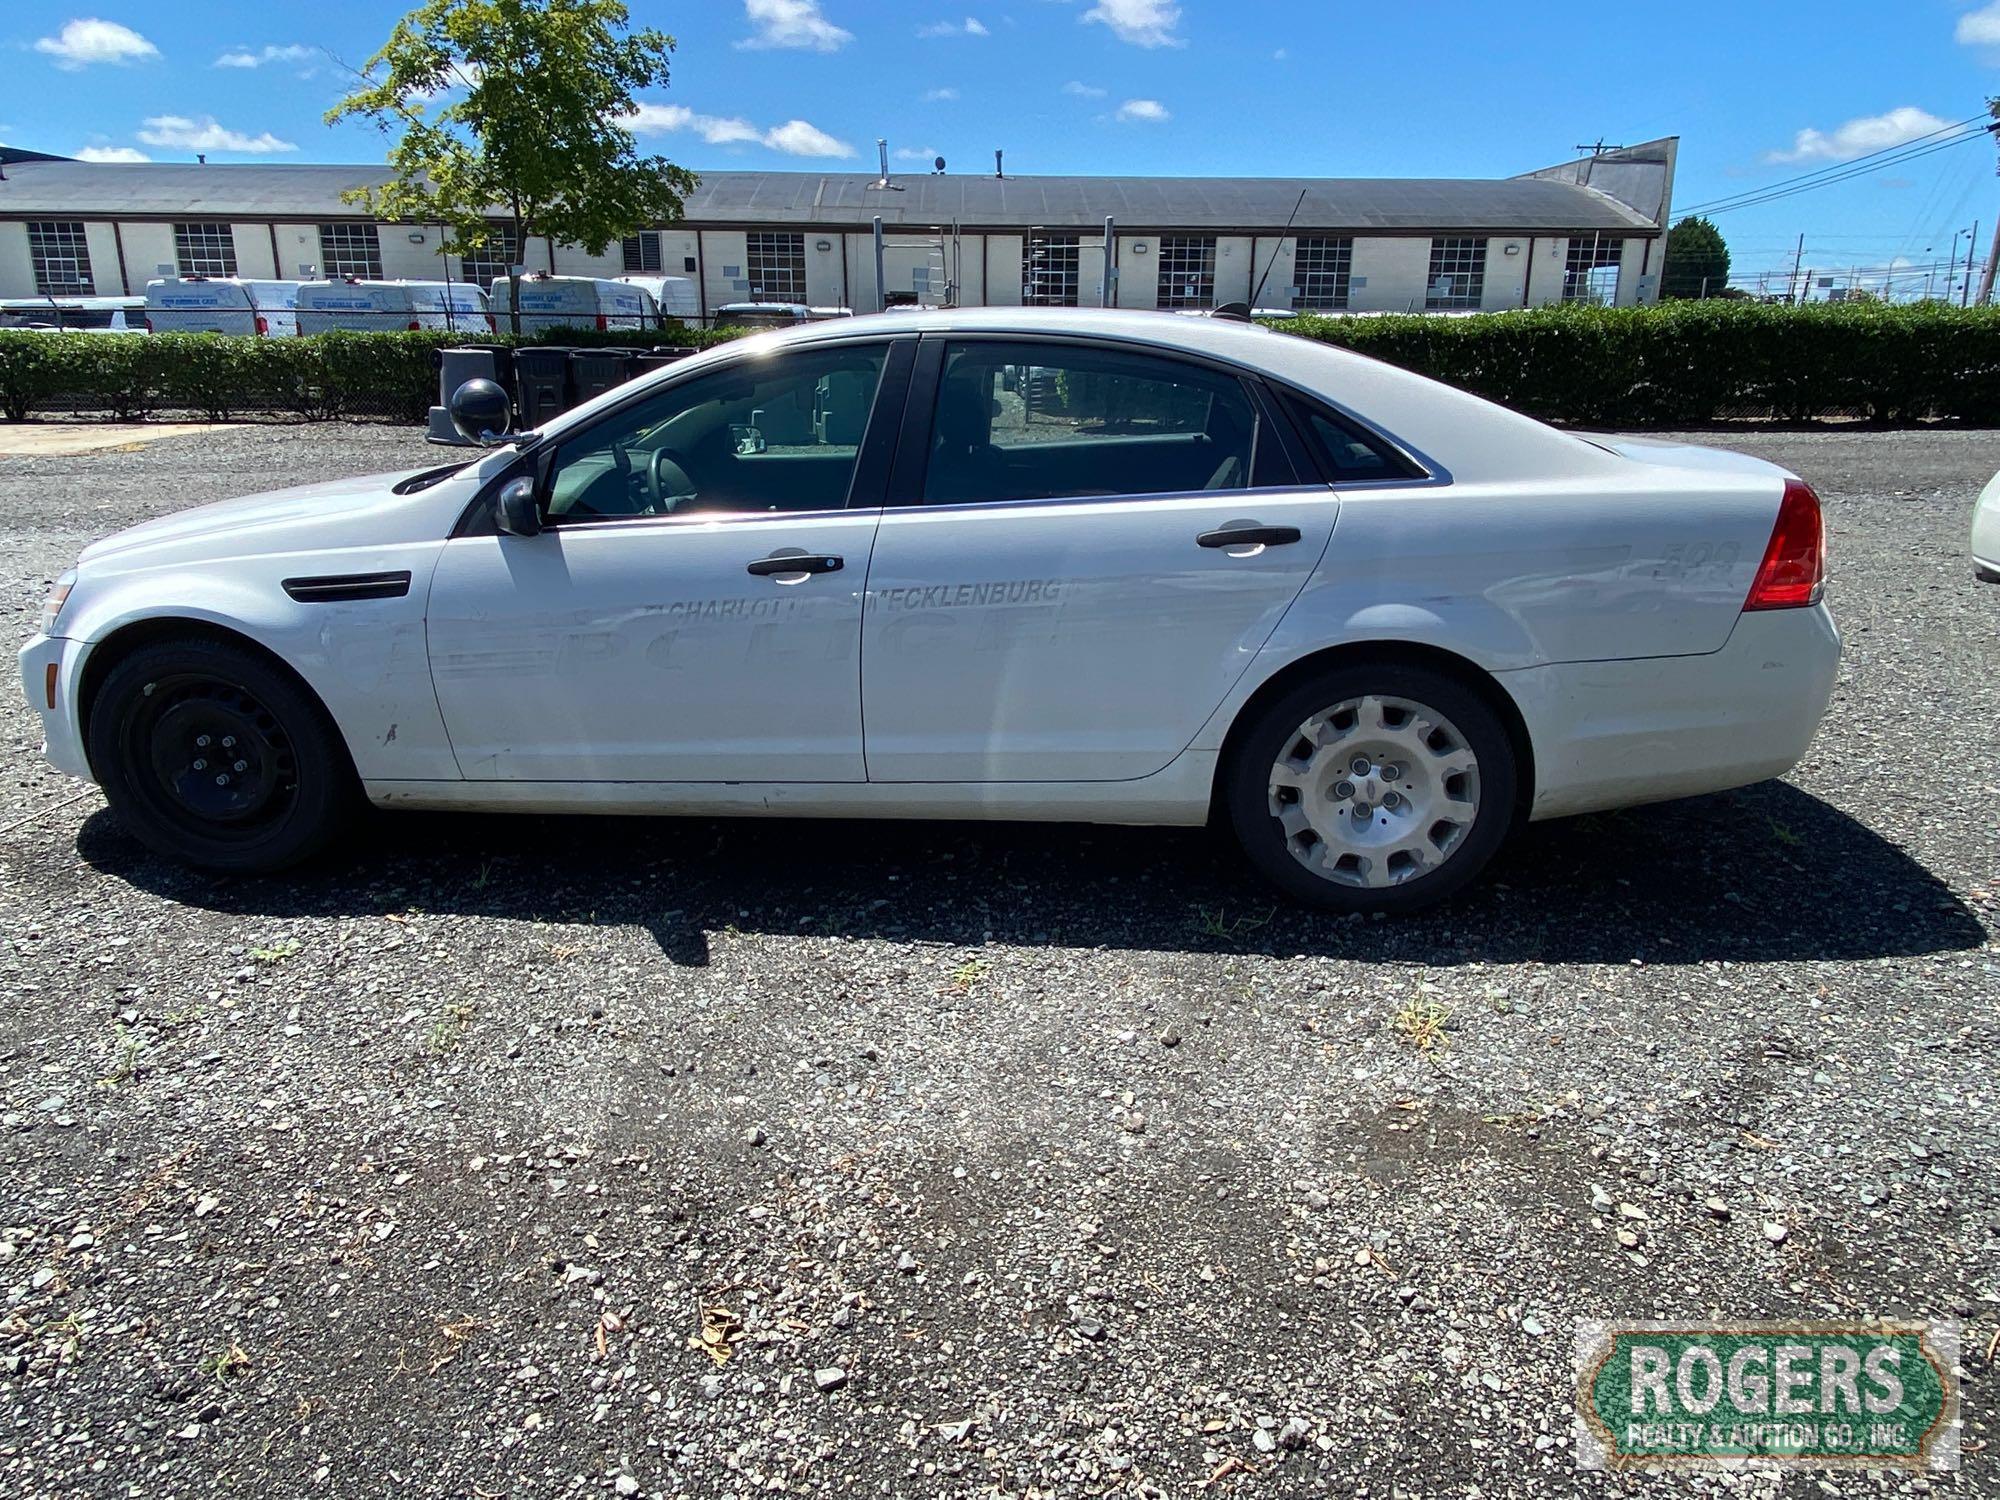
541	384
592	372
650	360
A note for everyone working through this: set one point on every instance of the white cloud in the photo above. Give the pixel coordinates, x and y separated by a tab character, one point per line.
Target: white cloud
244	57
112	153
205	134
87	41
921	153
939	96
792	23
1143	23
794	137
1150	110
1980	28
1084	90
970	26
797	138
1860	136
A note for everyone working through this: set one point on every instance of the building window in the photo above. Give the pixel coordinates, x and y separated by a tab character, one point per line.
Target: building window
1187	270
350	250
642	254
1049	271
62	260
1590	272
1458	274
205	249
1321	268
776	266
492	258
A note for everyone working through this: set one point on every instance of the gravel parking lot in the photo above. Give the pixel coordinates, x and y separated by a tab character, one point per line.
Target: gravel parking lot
1020	1160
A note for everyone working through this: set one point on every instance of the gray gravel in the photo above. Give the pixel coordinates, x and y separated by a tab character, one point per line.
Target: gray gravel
540	1157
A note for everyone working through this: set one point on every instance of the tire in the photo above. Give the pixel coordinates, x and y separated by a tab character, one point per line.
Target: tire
158	727
1342	838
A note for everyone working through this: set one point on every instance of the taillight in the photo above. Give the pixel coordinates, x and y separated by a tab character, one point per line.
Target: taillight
1793	572
491	326
415	325
149	325
263	324
601	323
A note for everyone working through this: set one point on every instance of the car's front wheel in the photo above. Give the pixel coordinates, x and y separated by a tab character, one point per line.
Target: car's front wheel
1373	788
210	754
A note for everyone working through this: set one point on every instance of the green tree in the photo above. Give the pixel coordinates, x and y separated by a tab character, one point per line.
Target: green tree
513	112
1696	259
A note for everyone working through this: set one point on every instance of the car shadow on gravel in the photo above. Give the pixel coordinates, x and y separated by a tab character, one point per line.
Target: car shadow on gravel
1765	873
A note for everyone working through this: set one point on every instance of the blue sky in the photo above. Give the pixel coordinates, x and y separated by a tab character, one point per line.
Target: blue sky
1759	93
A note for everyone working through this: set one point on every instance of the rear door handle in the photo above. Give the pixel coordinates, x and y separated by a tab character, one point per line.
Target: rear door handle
797	562
1249	536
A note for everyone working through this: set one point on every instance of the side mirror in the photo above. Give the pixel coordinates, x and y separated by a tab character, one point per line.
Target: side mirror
515	510
481	413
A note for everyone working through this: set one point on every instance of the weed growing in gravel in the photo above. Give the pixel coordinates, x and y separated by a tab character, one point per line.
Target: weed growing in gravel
1783	834
969	973
448	1030
1218	924
225	1363
131	1047
1422	1022
277	953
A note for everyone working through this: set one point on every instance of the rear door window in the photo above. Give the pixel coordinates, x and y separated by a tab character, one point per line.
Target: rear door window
1048	421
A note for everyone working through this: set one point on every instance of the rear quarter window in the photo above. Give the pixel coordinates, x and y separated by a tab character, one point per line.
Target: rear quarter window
1348	453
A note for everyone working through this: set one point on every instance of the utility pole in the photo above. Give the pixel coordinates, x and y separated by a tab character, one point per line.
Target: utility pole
1992	260
1971	244
1797	261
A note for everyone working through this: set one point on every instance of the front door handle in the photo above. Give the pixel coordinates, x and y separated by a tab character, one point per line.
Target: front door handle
1249	536
797	562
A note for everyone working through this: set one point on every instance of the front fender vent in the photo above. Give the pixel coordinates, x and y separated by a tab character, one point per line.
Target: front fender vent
343	588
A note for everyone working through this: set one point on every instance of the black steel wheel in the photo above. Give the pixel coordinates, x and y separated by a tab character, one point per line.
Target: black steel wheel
211	754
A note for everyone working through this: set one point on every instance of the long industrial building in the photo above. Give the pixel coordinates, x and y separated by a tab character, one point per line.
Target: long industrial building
1591	229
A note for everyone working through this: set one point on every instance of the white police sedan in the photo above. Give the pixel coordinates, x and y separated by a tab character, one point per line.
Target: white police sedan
1000	563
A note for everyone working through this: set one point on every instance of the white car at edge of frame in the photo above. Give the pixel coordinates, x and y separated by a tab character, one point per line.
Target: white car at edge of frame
1986	533
1046	564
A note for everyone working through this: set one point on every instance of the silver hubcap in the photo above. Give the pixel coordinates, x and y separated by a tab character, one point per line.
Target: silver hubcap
1375	791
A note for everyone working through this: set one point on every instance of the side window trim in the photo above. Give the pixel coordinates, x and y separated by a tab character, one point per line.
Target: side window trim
906	486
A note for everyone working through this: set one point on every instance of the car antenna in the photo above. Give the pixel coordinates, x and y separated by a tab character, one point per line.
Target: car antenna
1258	291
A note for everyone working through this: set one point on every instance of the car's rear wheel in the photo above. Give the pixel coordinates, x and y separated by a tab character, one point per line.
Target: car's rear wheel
210	754
1373	788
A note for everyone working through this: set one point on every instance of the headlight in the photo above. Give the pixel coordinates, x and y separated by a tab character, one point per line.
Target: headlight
53	605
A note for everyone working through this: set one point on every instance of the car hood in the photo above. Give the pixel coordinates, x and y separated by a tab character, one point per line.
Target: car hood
341	512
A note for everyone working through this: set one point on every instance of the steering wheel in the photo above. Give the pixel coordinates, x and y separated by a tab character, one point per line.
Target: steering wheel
668	480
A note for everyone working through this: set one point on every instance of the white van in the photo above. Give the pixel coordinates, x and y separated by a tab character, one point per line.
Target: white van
574	302
66	314
675	295
222	304
358	306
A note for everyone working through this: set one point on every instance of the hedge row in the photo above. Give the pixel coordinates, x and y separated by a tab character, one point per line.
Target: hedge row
1677	364
1693	362
321	376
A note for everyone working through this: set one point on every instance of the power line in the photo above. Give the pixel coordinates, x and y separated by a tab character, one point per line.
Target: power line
1776	194
1873	161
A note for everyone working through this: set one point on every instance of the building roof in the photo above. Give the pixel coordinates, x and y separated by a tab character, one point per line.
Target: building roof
1516	205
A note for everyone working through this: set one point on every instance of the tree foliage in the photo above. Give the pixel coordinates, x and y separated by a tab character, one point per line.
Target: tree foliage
1697	260
513	112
